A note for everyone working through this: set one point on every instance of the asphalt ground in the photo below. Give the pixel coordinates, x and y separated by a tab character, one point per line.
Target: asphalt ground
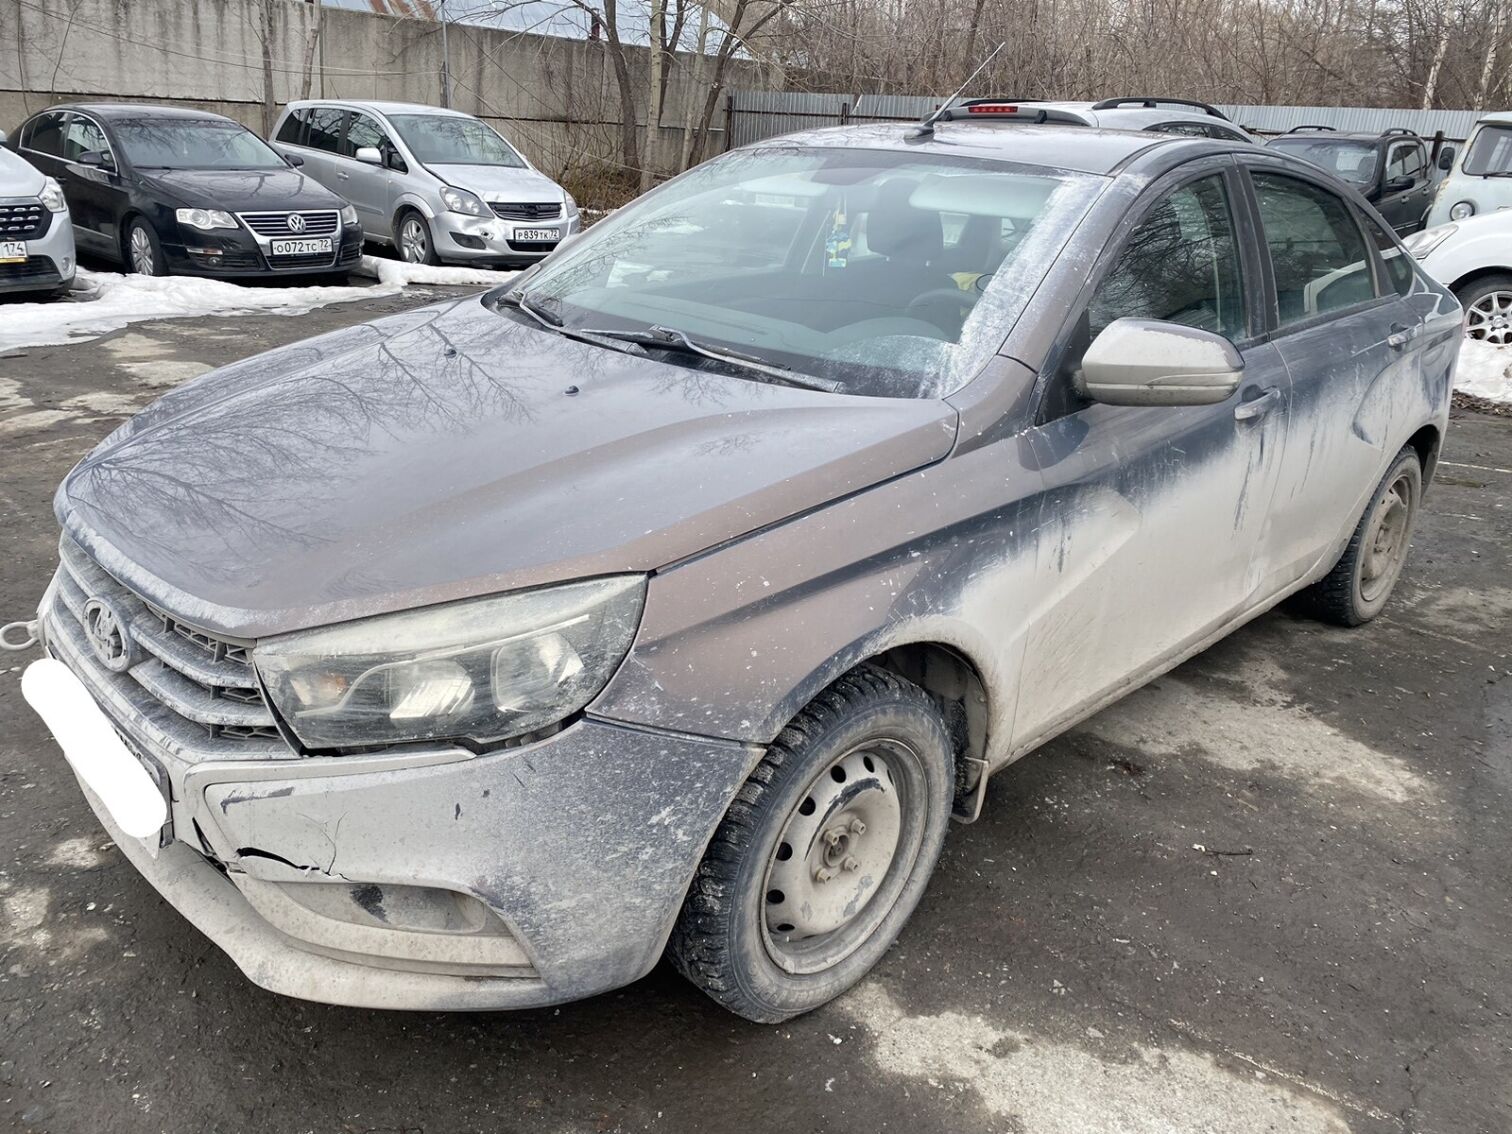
1268	892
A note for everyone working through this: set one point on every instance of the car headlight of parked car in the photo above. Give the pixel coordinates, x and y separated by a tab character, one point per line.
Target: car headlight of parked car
1461	210
1420	244
349	216
572	205
205	219
461	201
484	669
52	196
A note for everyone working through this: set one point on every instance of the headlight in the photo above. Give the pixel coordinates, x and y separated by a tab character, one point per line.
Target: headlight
1461	210
1420	244
461	201
349	217
52	197
572	206
205	219
484	670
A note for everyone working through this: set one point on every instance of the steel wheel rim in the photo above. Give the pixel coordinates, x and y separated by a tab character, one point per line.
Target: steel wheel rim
141	251
1385	543
1489	318
865	832
412	241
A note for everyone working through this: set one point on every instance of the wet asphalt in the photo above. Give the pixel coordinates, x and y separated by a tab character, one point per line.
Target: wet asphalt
1269	892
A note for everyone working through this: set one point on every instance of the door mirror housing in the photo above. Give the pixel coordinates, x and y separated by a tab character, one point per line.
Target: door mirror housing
294	160
369	155
99	159
1146	362
1446	158
1399	184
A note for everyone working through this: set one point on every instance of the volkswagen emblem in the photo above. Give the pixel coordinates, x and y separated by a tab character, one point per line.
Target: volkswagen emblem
108	636
296	222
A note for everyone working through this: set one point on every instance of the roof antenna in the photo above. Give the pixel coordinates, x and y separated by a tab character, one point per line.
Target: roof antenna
926	128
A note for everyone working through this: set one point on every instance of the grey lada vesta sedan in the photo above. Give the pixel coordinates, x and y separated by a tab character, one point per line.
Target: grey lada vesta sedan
674	597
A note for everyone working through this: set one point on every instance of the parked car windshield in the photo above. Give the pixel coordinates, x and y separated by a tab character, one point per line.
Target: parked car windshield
198	143
890	273
1355	162
448	139
1490	152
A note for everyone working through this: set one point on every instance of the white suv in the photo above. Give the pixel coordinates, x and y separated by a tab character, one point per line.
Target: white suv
439	185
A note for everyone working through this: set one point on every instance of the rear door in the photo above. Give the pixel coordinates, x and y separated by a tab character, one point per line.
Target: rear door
320	145
1154	524
1347	339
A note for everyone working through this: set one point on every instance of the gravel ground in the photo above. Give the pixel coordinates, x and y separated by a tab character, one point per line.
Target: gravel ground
1268	892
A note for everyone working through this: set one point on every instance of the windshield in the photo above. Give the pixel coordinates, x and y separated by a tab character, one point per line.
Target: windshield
198	143
1355	162
1490	151
888	273
448	139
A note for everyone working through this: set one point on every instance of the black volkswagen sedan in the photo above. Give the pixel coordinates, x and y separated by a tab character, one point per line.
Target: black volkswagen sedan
163	189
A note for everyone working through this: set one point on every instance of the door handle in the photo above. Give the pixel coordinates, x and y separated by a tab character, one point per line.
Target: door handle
343	176
1399	337
1252	408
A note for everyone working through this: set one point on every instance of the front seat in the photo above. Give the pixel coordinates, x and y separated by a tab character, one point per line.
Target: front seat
911	246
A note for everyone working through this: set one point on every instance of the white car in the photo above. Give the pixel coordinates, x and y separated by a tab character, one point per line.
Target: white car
36	238
1473	259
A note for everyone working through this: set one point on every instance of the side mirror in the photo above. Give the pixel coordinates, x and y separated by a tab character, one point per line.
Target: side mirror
1145	362
1399	184
1446	158
97	158
369	155
294	159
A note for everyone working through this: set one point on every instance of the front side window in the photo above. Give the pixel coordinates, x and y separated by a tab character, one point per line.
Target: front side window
1316	249
363	131
193	143
1490	152
451	139
45	135
1354	162
1406	160
1180	265
81	136
888	273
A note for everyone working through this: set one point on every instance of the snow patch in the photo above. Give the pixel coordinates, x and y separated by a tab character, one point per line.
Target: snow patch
1483	371
399	274
78	853
1058	1088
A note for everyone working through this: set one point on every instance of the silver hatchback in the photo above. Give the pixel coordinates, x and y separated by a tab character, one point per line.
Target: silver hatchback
439	185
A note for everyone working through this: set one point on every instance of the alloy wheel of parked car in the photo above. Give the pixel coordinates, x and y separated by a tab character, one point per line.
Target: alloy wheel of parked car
415	245
1488	309
142	250
825	852
1356	590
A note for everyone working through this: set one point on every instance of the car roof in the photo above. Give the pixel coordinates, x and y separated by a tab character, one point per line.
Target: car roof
379	106
1082	149
111	110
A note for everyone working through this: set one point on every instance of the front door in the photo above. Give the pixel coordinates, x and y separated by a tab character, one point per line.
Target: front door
1405	186
1153	531
368	188
96	193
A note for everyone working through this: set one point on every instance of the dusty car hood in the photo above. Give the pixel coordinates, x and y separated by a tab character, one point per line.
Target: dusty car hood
442	453
500	182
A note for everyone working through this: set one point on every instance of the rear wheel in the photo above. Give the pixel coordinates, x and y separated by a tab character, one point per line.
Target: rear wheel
1488	308
824	853
1356	590
416	245
144	255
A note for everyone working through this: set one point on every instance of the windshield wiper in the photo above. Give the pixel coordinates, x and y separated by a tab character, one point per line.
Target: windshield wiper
517	300
658	337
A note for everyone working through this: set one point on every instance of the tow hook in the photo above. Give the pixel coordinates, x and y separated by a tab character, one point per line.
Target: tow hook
18	636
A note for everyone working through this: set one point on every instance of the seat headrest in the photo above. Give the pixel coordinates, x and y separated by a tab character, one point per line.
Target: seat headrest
898	230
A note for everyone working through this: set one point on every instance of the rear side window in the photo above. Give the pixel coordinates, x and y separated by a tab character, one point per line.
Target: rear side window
1398	263
1317	250
45	135
1180	265
292	132
325	129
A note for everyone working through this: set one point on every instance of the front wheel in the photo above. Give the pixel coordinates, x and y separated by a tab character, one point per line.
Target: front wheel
825	852
144	255
1356	590
416	245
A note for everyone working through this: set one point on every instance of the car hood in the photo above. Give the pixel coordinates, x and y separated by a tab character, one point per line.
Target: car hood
18	177
449	452
499	182
242	190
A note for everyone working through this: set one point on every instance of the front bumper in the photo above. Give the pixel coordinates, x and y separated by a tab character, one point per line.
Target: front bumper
431	879
50	260
495	239
237	253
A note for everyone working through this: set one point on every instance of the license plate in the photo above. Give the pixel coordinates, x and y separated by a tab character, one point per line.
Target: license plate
94	750
301	247
12	252
536	234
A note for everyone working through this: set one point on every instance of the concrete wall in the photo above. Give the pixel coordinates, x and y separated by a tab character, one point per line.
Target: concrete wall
555	98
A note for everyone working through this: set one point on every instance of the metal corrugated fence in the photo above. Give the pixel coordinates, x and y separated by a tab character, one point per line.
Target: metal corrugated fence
754	115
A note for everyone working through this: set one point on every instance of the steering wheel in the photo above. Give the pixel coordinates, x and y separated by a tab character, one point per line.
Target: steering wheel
960	305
